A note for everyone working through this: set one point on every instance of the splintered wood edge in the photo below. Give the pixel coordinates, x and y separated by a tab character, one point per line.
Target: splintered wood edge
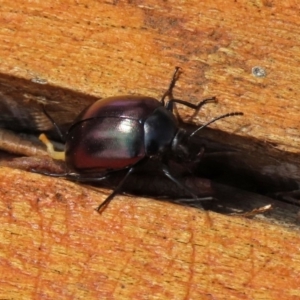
54	241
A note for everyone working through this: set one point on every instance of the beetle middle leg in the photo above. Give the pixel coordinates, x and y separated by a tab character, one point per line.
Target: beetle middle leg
62	137
104	204
169	91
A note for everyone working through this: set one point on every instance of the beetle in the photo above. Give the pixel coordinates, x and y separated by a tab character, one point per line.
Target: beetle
124	132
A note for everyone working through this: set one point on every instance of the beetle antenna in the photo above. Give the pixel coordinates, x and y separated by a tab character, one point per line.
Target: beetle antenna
216	119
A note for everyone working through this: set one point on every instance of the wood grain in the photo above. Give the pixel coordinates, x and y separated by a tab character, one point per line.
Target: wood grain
54	245
66	54
112	48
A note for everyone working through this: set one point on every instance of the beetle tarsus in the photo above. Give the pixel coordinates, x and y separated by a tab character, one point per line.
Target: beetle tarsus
104	204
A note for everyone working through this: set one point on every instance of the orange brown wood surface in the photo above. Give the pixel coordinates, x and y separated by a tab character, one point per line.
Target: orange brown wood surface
53	244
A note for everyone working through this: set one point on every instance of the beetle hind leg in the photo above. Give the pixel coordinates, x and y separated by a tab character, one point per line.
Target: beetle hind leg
166	171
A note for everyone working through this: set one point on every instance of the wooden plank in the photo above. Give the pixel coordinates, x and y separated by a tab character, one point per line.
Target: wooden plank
54	245
67	54
112	48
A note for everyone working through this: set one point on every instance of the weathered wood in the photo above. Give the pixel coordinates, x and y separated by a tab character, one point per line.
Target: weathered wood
66	54
54	245
112	48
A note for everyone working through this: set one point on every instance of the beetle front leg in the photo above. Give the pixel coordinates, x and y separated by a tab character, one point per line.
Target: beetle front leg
170	104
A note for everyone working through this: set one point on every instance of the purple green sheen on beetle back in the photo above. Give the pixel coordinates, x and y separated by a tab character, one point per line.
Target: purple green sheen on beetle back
117	132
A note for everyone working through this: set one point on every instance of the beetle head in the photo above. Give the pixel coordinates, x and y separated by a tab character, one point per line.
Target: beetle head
183	149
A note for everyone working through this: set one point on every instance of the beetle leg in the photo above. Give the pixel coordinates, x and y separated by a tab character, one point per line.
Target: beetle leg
199	155
166	171
81	178
104	204
73	176
50	174
168	92
170	104
54	124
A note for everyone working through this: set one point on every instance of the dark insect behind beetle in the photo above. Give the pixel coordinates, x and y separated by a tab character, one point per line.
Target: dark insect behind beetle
122	133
